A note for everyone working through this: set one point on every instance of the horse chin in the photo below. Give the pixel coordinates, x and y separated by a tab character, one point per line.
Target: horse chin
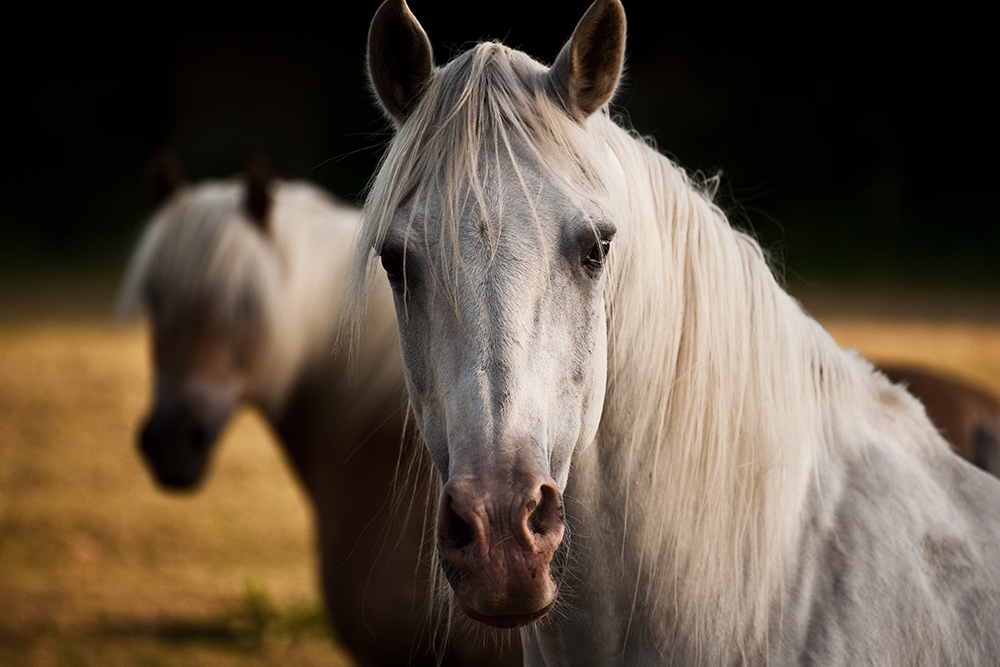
174	475
507	621
177	452
501	610
176	469
183	482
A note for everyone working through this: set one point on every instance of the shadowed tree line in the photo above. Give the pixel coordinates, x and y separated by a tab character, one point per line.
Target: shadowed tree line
857	145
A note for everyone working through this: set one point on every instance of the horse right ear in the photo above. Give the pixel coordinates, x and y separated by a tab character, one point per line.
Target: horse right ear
400	61
257	179
164	177
587	70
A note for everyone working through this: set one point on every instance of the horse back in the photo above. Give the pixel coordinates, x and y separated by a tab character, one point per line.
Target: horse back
966	416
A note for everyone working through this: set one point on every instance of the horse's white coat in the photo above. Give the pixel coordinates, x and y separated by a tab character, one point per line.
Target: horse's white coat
751	494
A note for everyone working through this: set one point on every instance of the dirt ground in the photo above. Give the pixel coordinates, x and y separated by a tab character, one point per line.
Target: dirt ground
100	567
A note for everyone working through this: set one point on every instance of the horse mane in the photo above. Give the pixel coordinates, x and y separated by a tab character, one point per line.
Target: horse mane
724	399
201	256
200	248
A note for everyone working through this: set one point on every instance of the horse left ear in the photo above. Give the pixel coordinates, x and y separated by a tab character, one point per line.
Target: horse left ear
258	178
587	70
400	62
164	177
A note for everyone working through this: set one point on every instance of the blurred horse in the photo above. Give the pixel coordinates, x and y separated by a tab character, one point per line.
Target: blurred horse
967	417
650	454
242	280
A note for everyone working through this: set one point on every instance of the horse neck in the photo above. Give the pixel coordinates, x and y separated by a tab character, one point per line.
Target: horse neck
312	238
335	414
342	427
326	407
715	414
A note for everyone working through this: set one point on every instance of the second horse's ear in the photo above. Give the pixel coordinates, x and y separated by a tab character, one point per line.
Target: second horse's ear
258	178
164	177
587	70
400	62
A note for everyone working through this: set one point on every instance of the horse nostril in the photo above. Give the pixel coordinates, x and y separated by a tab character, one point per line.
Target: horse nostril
455	532
146	438
199	437
535	522
546	514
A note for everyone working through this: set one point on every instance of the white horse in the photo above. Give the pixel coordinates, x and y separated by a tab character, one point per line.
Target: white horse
589	346
243	280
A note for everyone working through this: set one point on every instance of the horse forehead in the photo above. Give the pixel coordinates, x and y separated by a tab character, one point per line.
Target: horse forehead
501	217
204	310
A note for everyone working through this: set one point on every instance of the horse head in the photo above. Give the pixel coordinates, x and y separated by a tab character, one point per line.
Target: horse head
203	273
493	219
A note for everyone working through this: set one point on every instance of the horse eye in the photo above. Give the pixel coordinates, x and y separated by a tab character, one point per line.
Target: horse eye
598	253
393	265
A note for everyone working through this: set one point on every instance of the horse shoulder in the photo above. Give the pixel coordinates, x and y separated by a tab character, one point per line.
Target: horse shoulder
897	563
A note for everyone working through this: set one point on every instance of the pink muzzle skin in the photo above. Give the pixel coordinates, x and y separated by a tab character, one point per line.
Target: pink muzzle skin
497	548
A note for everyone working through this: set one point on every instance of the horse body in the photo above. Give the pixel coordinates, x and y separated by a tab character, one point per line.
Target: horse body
650	454
245	307
898	567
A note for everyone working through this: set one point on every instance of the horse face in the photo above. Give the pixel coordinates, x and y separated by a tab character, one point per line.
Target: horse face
499	278
511	350
506	364
201	374
207	268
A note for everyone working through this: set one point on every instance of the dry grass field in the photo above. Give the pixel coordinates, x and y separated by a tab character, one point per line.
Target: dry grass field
98	567
953	334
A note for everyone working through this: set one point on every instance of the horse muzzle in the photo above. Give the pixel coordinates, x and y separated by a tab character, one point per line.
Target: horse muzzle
176	447
497	548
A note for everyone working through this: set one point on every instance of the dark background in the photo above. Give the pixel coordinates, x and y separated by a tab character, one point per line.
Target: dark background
856	142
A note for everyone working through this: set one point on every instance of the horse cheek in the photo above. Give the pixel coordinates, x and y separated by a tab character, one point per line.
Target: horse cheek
417	349
593	407
582	372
